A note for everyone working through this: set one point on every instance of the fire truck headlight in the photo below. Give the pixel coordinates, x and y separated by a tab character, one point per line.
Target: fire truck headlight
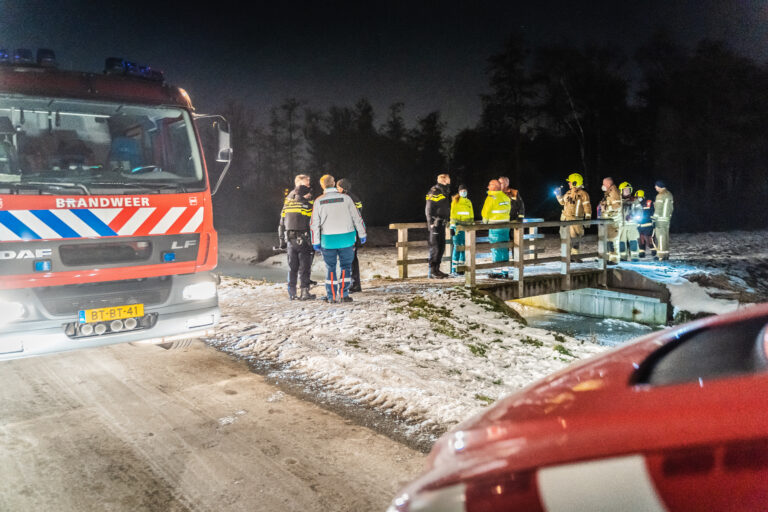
11	311
200	291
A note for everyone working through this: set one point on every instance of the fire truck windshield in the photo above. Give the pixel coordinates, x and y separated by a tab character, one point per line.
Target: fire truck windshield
104	148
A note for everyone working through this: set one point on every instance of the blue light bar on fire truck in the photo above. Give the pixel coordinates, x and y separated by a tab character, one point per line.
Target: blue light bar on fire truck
118	66
23	57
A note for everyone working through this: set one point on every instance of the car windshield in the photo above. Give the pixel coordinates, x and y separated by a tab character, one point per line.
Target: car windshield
48	145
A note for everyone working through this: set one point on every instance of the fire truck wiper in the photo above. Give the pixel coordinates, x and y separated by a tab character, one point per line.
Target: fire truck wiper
147	185
48	186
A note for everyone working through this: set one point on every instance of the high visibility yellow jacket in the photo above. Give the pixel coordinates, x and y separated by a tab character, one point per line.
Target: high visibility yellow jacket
462	211
663	206
497	207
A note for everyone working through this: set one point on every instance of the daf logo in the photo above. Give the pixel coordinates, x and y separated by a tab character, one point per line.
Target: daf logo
187	244
25	254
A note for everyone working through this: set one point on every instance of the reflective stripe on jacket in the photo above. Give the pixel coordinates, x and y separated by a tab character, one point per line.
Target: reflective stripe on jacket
462	211
663	206
496	207
576	204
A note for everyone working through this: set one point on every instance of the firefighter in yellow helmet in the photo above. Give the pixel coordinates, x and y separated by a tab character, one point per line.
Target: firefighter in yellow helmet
610	208
631	215
645	228
662	215
576	206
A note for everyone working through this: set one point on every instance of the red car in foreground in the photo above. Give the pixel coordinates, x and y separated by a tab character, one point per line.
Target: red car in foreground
677	420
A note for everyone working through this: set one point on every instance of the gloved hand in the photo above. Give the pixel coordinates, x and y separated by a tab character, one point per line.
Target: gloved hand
316	247
362	240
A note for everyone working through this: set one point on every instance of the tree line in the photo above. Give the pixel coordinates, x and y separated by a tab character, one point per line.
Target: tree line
693	117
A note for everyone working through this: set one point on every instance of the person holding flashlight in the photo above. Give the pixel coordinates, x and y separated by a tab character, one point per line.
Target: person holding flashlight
576	206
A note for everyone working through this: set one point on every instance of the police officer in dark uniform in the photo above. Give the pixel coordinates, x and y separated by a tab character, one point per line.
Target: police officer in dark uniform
295	236
345	187
438	212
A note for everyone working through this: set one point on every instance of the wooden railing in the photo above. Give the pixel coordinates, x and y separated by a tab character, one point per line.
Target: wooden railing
522	248
519	251
403	243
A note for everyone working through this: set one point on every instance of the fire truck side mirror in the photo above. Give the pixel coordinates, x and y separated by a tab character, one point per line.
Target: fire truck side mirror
225	147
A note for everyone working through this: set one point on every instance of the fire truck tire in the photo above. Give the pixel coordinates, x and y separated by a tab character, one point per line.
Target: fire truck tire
176	344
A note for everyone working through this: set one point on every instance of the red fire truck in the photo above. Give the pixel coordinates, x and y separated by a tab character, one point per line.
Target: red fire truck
106	227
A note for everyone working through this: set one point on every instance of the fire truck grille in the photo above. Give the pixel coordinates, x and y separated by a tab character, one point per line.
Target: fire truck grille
69	299
101	253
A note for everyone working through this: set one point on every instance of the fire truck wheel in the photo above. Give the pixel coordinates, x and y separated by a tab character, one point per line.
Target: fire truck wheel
177	344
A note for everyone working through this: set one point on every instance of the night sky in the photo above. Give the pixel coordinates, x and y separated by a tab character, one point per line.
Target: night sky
429	55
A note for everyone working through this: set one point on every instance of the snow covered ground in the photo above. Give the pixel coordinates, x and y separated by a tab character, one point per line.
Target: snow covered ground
429	353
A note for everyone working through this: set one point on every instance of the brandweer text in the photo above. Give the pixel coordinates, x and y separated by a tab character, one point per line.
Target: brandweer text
101	202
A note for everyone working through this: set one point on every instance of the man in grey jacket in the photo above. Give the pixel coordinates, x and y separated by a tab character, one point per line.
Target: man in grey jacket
335	223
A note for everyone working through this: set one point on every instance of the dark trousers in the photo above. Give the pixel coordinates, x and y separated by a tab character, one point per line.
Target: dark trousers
355	272
436	244
300	255
645	242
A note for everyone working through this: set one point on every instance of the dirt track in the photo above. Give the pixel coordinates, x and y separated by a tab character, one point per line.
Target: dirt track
140	428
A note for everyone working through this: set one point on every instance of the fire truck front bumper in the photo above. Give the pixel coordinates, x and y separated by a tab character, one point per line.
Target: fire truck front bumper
35	322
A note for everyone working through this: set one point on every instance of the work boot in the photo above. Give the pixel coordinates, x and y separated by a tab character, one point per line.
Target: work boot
439	273
291	293
305	295
355	288
345	298
312	283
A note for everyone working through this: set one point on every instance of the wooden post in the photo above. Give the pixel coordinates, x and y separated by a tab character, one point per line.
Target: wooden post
448	246
520	261
470	252
402	253
565	257
534	232
602	232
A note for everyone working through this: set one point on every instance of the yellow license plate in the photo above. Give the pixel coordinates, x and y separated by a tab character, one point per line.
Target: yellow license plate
87	316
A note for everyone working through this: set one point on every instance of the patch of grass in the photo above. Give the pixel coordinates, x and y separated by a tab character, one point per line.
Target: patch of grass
497	331
377	276
438	316
353	343
531	341
497	340
563	350
559	337
448	330
490	302
478	349
395	300
498	382
453	371
399	352
488	400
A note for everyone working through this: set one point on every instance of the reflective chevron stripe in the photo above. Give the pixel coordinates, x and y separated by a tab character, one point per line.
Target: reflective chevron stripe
98	222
